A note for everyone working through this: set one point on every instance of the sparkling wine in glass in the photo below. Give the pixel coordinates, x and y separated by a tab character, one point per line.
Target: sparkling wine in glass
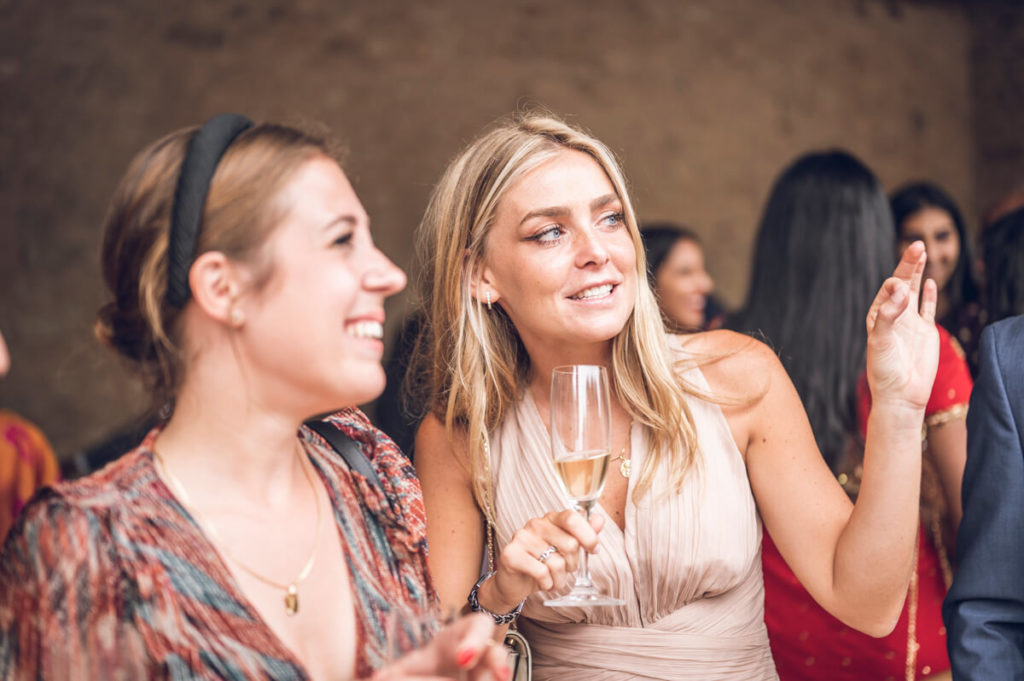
581	433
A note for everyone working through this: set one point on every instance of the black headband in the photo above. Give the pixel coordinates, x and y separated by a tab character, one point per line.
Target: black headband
201	159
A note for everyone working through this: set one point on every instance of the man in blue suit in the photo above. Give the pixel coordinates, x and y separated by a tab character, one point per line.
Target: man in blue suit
984	611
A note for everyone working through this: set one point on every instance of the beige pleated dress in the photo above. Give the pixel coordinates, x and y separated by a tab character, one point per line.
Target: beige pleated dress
688	563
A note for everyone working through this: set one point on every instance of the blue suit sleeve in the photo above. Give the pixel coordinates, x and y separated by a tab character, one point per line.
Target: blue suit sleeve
984	611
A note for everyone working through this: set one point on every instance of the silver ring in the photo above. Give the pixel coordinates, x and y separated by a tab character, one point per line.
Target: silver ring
546	553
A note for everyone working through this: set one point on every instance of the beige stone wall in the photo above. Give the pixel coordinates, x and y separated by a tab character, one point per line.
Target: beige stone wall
704	100
998	93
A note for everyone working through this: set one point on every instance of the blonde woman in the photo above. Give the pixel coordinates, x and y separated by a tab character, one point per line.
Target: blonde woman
532	260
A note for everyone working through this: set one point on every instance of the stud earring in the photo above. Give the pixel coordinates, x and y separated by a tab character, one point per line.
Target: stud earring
487	297
236	316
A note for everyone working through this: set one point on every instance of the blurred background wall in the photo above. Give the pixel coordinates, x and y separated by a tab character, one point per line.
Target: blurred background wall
704	101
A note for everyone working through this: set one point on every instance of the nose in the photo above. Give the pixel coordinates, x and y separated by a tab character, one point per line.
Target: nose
383	276
707	284
591	249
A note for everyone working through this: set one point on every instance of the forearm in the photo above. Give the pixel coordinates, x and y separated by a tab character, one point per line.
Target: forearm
947	449
875	552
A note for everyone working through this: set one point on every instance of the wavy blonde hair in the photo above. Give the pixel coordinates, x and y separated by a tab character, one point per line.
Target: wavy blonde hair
469	364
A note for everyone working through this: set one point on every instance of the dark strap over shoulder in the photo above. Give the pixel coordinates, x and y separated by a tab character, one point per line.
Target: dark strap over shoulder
347	448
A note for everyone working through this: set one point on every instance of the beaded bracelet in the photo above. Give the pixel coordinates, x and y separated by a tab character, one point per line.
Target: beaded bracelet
474	604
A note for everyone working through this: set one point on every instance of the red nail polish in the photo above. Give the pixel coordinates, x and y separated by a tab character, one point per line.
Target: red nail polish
465	658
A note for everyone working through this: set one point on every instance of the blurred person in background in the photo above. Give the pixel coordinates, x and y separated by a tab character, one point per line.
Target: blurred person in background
1002	256
27	461
984	611
678	277
823	245
923	211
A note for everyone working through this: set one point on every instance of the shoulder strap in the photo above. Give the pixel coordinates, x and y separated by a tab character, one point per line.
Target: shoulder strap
347	448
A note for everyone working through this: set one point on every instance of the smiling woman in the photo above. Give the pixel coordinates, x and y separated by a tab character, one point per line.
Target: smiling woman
926	212
234	542
532	259
676	273
551	298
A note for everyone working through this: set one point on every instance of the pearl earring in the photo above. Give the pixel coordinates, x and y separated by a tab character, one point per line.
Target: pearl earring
236	316
487	297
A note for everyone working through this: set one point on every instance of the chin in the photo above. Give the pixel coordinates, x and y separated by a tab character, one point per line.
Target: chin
355	388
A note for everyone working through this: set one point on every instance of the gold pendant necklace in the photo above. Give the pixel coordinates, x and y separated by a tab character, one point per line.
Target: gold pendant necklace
625	464
291	596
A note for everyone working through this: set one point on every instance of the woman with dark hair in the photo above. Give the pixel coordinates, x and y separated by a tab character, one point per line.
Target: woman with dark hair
823	244
1002	248
234	542
675	271
923	211
819	256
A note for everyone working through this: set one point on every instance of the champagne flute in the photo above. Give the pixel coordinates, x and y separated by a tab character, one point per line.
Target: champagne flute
581	434
408	626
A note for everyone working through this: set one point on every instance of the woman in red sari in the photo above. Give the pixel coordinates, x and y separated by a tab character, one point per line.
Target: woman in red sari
824	242
807	642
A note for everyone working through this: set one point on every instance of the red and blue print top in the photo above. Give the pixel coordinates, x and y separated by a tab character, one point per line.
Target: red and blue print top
108	577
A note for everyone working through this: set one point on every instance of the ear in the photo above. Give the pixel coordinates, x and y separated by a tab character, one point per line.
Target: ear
481	281
216	286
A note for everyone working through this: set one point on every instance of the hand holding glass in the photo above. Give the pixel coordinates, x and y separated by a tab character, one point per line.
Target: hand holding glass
581	433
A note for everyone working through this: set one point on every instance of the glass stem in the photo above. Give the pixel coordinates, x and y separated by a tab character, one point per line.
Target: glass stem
583	574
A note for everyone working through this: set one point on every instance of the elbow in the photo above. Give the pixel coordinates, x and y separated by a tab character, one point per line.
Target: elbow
882	627
878	623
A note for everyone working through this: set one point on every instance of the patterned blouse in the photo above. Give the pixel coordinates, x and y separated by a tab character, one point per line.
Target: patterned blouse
109	577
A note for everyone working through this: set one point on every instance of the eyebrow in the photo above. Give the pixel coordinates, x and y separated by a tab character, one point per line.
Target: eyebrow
347	219
556	211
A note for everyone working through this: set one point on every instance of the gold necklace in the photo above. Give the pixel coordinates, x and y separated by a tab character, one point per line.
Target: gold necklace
912	644
291	597
625	464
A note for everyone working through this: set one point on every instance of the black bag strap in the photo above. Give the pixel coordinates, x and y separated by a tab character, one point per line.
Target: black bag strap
347	448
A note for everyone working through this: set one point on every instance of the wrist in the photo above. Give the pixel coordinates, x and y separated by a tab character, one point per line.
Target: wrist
896	408
500	611
896	420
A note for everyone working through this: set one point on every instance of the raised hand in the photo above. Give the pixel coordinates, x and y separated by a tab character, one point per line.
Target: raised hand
464	649
903	344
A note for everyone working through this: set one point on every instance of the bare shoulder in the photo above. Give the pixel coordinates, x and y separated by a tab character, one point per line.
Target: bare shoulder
438	454
736	366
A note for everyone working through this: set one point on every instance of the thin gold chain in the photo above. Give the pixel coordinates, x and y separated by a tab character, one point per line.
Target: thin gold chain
912	644
626	467
179	489
489	511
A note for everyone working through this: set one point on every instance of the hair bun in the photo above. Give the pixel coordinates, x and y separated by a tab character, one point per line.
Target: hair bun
126	333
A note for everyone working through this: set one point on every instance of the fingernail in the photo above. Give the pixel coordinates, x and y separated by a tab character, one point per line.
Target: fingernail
504	673
465	658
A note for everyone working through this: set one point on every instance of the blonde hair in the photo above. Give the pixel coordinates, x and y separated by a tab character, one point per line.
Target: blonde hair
469	364
241	211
